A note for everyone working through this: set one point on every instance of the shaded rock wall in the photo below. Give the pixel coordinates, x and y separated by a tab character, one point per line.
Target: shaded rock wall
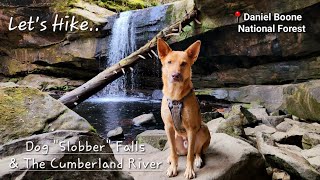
227	58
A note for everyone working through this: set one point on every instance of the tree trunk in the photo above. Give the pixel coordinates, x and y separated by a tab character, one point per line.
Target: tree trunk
78	95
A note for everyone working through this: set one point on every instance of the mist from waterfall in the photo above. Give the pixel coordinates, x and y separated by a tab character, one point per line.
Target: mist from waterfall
122	43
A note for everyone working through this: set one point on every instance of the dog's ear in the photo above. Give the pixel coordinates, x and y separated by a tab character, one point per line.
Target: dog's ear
163	48
193	50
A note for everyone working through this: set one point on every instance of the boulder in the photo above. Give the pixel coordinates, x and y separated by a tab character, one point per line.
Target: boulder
157	95
226	158
115	133
260	128
268	96
232	126
208	116
303	100
8	84
310	140
292	137
300	100
155	138
260	113
143	119
304	135
292	162
47	83
17	150
278	174
26	111
286	125
214	124
313	156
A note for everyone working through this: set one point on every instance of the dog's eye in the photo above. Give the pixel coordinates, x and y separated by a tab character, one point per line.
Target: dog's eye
183	64
169	62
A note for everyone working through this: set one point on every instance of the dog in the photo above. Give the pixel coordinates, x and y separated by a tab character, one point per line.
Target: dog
180	109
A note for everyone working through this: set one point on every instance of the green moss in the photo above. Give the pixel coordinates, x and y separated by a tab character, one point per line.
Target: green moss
124	5
64	6
12	108
92	129
204	92
169	15
302	104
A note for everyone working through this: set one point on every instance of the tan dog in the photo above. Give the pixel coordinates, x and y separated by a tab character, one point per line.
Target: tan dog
180	110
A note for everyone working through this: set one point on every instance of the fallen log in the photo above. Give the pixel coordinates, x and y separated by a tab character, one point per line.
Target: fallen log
78	95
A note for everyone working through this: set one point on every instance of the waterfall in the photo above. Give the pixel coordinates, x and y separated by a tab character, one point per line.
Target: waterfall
122	43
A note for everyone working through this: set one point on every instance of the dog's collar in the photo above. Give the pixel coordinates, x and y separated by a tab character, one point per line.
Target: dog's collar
183	98
175	107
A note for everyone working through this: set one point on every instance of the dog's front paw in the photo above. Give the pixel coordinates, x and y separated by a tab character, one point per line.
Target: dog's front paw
189	173
169	160
198	161
172	171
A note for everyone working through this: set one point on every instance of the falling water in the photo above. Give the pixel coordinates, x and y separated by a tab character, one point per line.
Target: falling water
121	45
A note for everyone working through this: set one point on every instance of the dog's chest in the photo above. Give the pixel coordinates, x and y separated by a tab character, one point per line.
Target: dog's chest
175	108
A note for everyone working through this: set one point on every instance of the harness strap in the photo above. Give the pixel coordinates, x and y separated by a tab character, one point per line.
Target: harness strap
175	108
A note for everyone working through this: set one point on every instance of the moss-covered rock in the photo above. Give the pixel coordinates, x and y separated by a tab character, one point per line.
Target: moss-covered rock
156	138
310	140
303	100
233	126
26	111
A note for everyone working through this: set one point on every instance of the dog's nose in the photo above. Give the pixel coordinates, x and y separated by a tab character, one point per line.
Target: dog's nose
176	75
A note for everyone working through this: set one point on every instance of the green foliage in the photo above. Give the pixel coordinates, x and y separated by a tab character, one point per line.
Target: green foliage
64	6
124	5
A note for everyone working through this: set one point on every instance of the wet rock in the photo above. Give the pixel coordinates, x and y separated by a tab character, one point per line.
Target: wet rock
115	133
293	163
143	119
226	158
155	138
26	111
157	94
17	149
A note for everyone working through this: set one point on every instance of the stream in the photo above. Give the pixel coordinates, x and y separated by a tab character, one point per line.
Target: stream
105	114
